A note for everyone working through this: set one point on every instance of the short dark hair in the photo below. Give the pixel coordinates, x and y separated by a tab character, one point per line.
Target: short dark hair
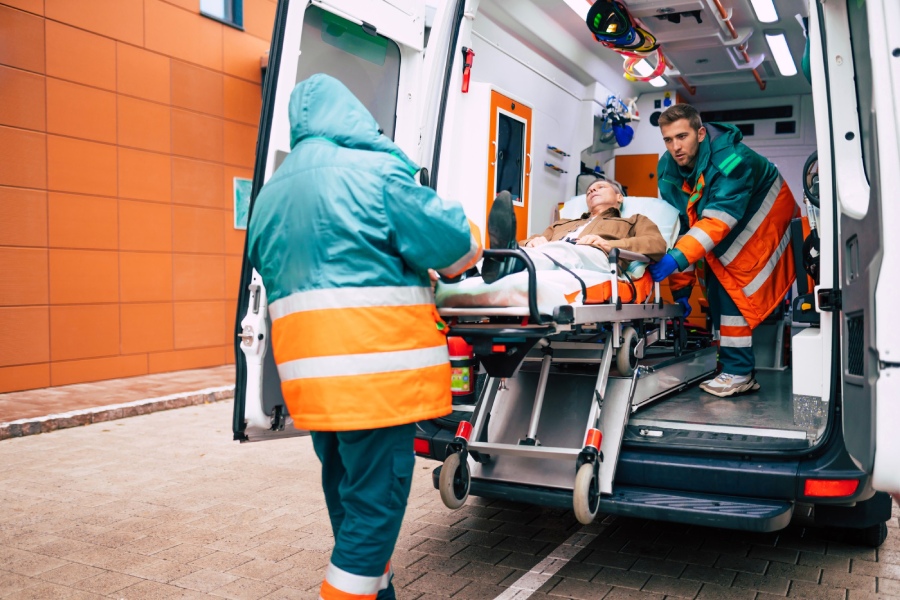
676	112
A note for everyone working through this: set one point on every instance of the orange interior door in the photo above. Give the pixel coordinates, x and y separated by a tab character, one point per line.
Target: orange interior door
509	157
637	172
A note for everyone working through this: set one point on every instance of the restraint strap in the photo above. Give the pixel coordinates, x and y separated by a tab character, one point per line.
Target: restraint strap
573	274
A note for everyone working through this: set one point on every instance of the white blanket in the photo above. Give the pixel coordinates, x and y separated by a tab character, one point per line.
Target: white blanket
556	287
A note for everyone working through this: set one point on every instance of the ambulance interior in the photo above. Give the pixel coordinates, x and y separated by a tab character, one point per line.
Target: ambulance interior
538	88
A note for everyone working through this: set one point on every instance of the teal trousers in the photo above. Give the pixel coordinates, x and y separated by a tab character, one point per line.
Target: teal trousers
366	476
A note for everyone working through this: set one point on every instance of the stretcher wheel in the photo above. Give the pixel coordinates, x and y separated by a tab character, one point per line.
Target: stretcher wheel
455	481
626	361
585	496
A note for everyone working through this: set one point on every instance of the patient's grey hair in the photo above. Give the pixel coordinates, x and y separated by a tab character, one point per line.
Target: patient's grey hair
612	182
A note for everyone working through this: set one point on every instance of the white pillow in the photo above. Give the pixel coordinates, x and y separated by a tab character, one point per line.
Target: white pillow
659	211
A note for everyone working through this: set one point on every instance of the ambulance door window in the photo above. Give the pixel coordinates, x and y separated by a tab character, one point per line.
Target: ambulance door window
369	65
862	65
510	156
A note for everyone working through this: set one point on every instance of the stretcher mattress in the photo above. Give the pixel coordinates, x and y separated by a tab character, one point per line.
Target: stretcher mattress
555	287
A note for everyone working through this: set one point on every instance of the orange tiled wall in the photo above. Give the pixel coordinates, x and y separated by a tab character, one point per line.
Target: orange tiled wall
122	124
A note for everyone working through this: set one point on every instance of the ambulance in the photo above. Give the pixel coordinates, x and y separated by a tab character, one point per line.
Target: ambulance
522	95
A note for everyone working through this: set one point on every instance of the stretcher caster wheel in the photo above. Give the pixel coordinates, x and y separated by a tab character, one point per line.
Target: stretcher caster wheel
586	495
455	481
626	361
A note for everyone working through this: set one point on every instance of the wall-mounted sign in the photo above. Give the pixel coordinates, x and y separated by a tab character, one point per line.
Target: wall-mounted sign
241	201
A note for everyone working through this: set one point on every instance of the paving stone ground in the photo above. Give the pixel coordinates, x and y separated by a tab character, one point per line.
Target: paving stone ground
165	505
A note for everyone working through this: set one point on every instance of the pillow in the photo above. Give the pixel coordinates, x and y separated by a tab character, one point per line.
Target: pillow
659	211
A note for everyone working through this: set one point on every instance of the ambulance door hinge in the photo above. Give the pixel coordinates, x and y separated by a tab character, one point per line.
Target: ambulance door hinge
829	300
369	28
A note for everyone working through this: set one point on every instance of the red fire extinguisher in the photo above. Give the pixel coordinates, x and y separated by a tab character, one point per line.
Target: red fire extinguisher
463	370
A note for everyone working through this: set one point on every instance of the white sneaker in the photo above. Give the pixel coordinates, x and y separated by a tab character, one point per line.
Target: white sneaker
728	385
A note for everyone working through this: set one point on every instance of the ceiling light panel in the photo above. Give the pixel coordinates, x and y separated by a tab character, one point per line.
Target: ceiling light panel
765	10
782	53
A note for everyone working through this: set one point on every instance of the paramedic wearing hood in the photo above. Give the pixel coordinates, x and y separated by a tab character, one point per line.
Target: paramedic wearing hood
736	212
343	237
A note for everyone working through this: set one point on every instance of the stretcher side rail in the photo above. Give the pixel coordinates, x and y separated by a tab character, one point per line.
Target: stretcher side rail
518	254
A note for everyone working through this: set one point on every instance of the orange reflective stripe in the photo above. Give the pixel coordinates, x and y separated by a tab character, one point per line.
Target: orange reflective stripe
363	330
373	401
760	304
735	331
329	592
692	249
678	281
714	228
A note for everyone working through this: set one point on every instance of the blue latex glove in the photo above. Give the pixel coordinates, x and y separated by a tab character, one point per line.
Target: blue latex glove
685	303
662	269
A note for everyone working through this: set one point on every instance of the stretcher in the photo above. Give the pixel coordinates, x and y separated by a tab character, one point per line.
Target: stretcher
561	385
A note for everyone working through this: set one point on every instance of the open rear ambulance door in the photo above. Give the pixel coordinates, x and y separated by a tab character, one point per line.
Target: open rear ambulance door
375	48
865	142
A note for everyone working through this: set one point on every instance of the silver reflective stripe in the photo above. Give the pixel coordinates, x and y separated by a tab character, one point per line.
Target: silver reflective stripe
352	584
350	297
702	237
763	275
755	221
743	341
734	321
363	364
720	215
689	269
463	263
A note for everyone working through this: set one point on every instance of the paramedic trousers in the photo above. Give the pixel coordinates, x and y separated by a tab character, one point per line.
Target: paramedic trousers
735	336
366	476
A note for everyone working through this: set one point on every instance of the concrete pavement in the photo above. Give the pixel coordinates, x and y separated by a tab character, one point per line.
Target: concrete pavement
165	505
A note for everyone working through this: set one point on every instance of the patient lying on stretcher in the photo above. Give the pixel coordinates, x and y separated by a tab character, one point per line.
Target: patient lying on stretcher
571	256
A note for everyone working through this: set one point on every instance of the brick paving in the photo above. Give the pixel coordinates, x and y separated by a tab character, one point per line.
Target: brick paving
165	505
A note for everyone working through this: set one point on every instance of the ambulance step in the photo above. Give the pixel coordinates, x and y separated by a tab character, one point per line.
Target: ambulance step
748	514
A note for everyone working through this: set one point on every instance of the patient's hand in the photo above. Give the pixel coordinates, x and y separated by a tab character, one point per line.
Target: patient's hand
596	241
538	241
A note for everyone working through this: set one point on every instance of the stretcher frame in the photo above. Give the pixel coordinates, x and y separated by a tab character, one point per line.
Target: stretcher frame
503	346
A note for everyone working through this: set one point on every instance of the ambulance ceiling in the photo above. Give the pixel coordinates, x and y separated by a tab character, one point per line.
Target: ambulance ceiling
704	54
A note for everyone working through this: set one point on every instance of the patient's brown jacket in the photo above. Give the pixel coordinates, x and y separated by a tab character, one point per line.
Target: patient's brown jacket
637	233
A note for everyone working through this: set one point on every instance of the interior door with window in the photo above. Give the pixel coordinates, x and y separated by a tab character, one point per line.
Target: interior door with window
375	49
509	158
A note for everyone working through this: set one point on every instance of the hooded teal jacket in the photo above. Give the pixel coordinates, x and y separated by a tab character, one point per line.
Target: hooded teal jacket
343	235
737	180
344	210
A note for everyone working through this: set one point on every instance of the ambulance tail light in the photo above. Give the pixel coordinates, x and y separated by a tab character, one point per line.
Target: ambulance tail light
829	488
422	447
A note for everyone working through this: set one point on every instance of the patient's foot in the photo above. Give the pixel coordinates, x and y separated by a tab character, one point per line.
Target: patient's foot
502	234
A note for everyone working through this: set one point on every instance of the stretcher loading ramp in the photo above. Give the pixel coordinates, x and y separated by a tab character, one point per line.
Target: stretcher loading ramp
561	427
565	404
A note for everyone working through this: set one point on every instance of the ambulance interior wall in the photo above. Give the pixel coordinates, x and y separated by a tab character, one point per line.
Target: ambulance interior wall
562	116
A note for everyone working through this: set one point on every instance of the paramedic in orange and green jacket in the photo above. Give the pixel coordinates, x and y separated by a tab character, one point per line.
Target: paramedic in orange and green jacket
736	212
343	237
